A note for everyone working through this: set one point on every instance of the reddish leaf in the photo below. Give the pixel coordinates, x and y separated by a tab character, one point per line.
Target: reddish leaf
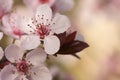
70	38
62	38
72	48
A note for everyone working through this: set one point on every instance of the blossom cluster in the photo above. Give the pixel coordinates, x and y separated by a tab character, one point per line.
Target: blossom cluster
35	38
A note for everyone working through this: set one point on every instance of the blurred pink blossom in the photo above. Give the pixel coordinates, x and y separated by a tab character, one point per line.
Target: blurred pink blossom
5	7
57	5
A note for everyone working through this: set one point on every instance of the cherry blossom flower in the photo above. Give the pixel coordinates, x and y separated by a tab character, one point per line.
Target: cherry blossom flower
30	68
42	29
1	50
5	6
10	26
55	4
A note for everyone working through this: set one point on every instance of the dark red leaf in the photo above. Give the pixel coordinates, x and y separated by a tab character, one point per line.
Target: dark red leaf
70	38
62	38
72	48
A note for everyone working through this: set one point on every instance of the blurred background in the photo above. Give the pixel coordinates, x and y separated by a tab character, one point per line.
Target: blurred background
98	22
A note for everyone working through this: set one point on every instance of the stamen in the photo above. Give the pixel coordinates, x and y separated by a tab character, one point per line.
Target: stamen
42	31
22	66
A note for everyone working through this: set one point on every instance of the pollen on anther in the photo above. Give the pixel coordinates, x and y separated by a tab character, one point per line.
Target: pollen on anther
19	59
34	73
29	61
28	25
30	31
53	23
31	18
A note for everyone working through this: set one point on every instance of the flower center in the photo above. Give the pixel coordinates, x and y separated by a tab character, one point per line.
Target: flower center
43	1
22	66
42	31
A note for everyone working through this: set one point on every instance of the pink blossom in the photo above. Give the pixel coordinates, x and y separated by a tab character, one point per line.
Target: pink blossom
30	68
5	7
10	25
42	28
67	5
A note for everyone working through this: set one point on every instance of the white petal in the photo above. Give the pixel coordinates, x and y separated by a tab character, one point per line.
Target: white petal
30	42
8	73
13	19
61	25
9	32
40	73
26	25
32	4
45	12
21	77
6	21
6	5
1	53
36	56
64	5
51	44
13	53
1	35
9	27
1	13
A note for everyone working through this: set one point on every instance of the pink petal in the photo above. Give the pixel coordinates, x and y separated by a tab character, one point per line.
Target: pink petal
6	21
61	25
51	44
37	56
40	73
8	73
25	24
1	13
13	53
10	26
21	77
6	5
64	5
30	42
43	14
32	4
